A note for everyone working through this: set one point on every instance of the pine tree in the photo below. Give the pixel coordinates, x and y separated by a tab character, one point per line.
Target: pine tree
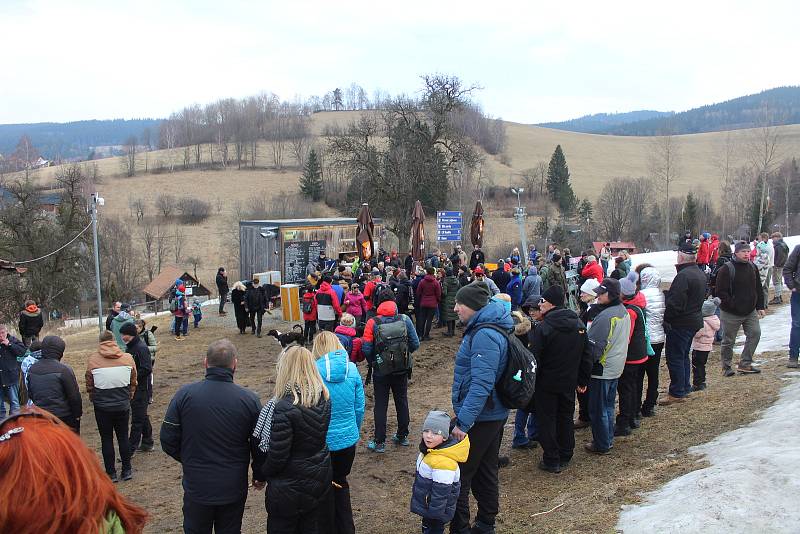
311	181
558	187
690	213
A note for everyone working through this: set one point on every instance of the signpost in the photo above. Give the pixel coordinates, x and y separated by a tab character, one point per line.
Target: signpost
448	225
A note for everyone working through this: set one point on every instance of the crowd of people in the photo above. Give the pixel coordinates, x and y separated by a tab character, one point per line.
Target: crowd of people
301	444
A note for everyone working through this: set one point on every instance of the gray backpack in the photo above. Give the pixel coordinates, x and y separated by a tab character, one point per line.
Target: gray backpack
391	346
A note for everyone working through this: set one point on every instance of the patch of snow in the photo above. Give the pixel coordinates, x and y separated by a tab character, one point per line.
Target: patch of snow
775	329
750	486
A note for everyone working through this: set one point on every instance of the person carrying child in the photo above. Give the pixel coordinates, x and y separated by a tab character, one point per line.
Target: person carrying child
437	483
197	312
703	342
349	338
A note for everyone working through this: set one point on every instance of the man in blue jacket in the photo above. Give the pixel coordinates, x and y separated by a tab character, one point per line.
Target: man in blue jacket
480	360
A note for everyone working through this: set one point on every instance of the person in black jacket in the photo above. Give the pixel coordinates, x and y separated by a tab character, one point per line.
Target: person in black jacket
30	323
292	455
10	350
791	277
52	385
255	303
476	258
237	298
208	429
115	309
683	317
141	429
222	289
564	359
500	277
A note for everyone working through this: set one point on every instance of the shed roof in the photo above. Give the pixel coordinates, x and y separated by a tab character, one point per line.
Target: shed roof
626	245
281	223
161	284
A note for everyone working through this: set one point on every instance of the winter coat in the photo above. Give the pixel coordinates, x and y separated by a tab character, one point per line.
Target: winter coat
684	299
476	258
624	268
492	286
207	428
553	274
402	293
480	360
9	365
651	289
747	295
369	293
149	339
429	293
704	252
116	323
791	269
340	293
704	338
714	249
781	252
501	278
222	284
308	297
110	378
408	263
437	483
593	270
355	305
297	465
350	342
637	343
254	299
514	290
387	309
30	323
450	287
144	364
52	386
563	354
328	308
237	297
609	333
347	399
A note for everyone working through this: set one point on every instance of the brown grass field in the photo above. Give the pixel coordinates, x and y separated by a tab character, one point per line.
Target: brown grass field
592	489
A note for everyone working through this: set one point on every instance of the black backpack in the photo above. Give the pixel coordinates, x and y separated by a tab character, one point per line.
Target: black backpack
391	346
517	382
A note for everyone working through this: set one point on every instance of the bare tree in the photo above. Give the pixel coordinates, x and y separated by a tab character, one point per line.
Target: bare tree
664	160
194	261
147	233
724	160
541	173
178	240
165	204
763	155
169	135
161	247
129	161
138	209
614	208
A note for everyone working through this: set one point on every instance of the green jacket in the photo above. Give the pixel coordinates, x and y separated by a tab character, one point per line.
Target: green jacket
116	324
450	287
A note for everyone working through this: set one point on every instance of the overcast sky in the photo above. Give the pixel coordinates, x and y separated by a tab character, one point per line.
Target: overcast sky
68	60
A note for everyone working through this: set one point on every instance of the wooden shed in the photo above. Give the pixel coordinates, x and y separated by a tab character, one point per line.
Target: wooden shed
287	245
616	247
159	288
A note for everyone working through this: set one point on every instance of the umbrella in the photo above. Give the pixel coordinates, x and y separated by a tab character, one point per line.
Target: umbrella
476	227
364	233
418	232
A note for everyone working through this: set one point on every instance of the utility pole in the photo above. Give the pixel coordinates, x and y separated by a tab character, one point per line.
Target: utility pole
519	216
95	201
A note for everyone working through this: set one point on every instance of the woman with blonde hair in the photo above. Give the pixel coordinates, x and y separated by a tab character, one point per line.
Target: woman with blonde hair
344	430
292	455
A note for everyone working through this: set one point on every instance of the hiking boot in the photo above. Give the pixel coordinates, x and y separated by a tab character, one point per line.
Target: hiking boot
113	476
728	372
530	444
792	363
377	447
127	474
748	369
671	400
699	387
636	423
622	431
564	463
592	449
549	468
403	442
580	423
648	412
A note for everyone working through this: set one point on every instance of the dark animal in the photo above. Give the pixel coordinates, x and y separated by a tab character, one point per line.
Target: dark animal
286	339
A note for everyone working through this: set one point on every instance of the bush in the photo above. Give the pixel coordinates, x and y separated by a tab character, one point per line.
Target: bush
193	211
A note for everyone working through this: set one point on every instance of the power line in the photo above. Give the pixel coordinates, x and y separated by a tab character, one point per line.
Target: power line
56	251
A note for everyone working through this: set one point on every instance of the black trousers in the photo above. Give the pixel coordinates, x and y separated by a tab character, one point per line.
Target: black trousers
479	476
651	372
241	317
109	424
554	412
699	361
341	510
309	332
141	430
424	321
398	385
256	326
330	326
306	523
583	406
223	298
626	388
223	518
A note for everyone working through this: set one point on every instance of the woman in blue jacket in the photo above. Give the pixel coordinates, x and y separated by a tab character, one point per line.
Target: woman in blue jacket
343	381
514	289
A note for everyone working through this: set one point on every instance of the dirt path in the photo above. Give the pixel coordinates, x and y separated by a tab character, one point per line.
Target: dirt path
591	490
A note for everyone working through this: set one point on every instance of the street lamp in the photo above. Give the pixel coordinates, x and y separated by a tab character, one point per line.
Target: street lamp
95	201
519	215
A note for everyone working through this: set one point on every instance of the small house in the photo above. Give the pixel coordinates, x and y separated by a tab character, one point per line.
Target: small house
616	246
158	290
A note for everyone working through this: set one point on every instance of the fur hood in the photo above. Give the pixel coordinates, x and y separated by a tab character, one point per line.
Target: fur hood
521	324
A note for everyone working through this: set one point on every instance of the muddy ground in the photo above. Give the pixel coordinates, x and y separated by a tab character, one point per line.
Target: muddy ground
590	492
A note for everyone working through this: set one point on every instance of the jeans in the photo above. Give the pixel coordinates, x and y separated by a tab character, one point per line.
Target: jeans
109	424
201	518
602	394
794	333
479	477
752	331
197	319
341	518
223	298
9	394
141	429
554	412
650	369
524	421
398	385
677	347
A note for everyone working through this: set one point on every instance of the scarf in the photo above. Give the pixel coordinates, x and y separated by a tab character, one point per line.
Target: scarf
263	428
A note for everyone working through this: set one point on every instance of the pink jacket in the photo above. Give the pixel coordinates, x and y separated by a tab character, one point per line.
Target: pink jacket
704	338
354	304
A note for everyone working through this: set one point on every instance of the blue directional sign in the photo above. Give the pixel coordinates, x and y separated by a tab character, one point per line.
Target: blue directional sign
449	225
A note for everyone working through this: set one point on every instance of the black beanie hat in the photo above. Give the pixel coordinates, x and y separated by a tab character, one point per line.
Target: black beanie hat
128	329
554	295
53	348
474	296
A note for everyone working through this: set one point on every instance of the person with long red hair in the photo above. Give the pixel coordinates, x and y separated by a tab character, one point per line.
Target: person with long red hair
52	483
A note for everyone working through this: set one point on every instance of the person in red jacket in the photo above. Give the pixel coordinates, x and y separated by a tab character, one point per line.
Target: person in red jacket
309	316
369	291
703	252
714	248
429	294
328	309
593	270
